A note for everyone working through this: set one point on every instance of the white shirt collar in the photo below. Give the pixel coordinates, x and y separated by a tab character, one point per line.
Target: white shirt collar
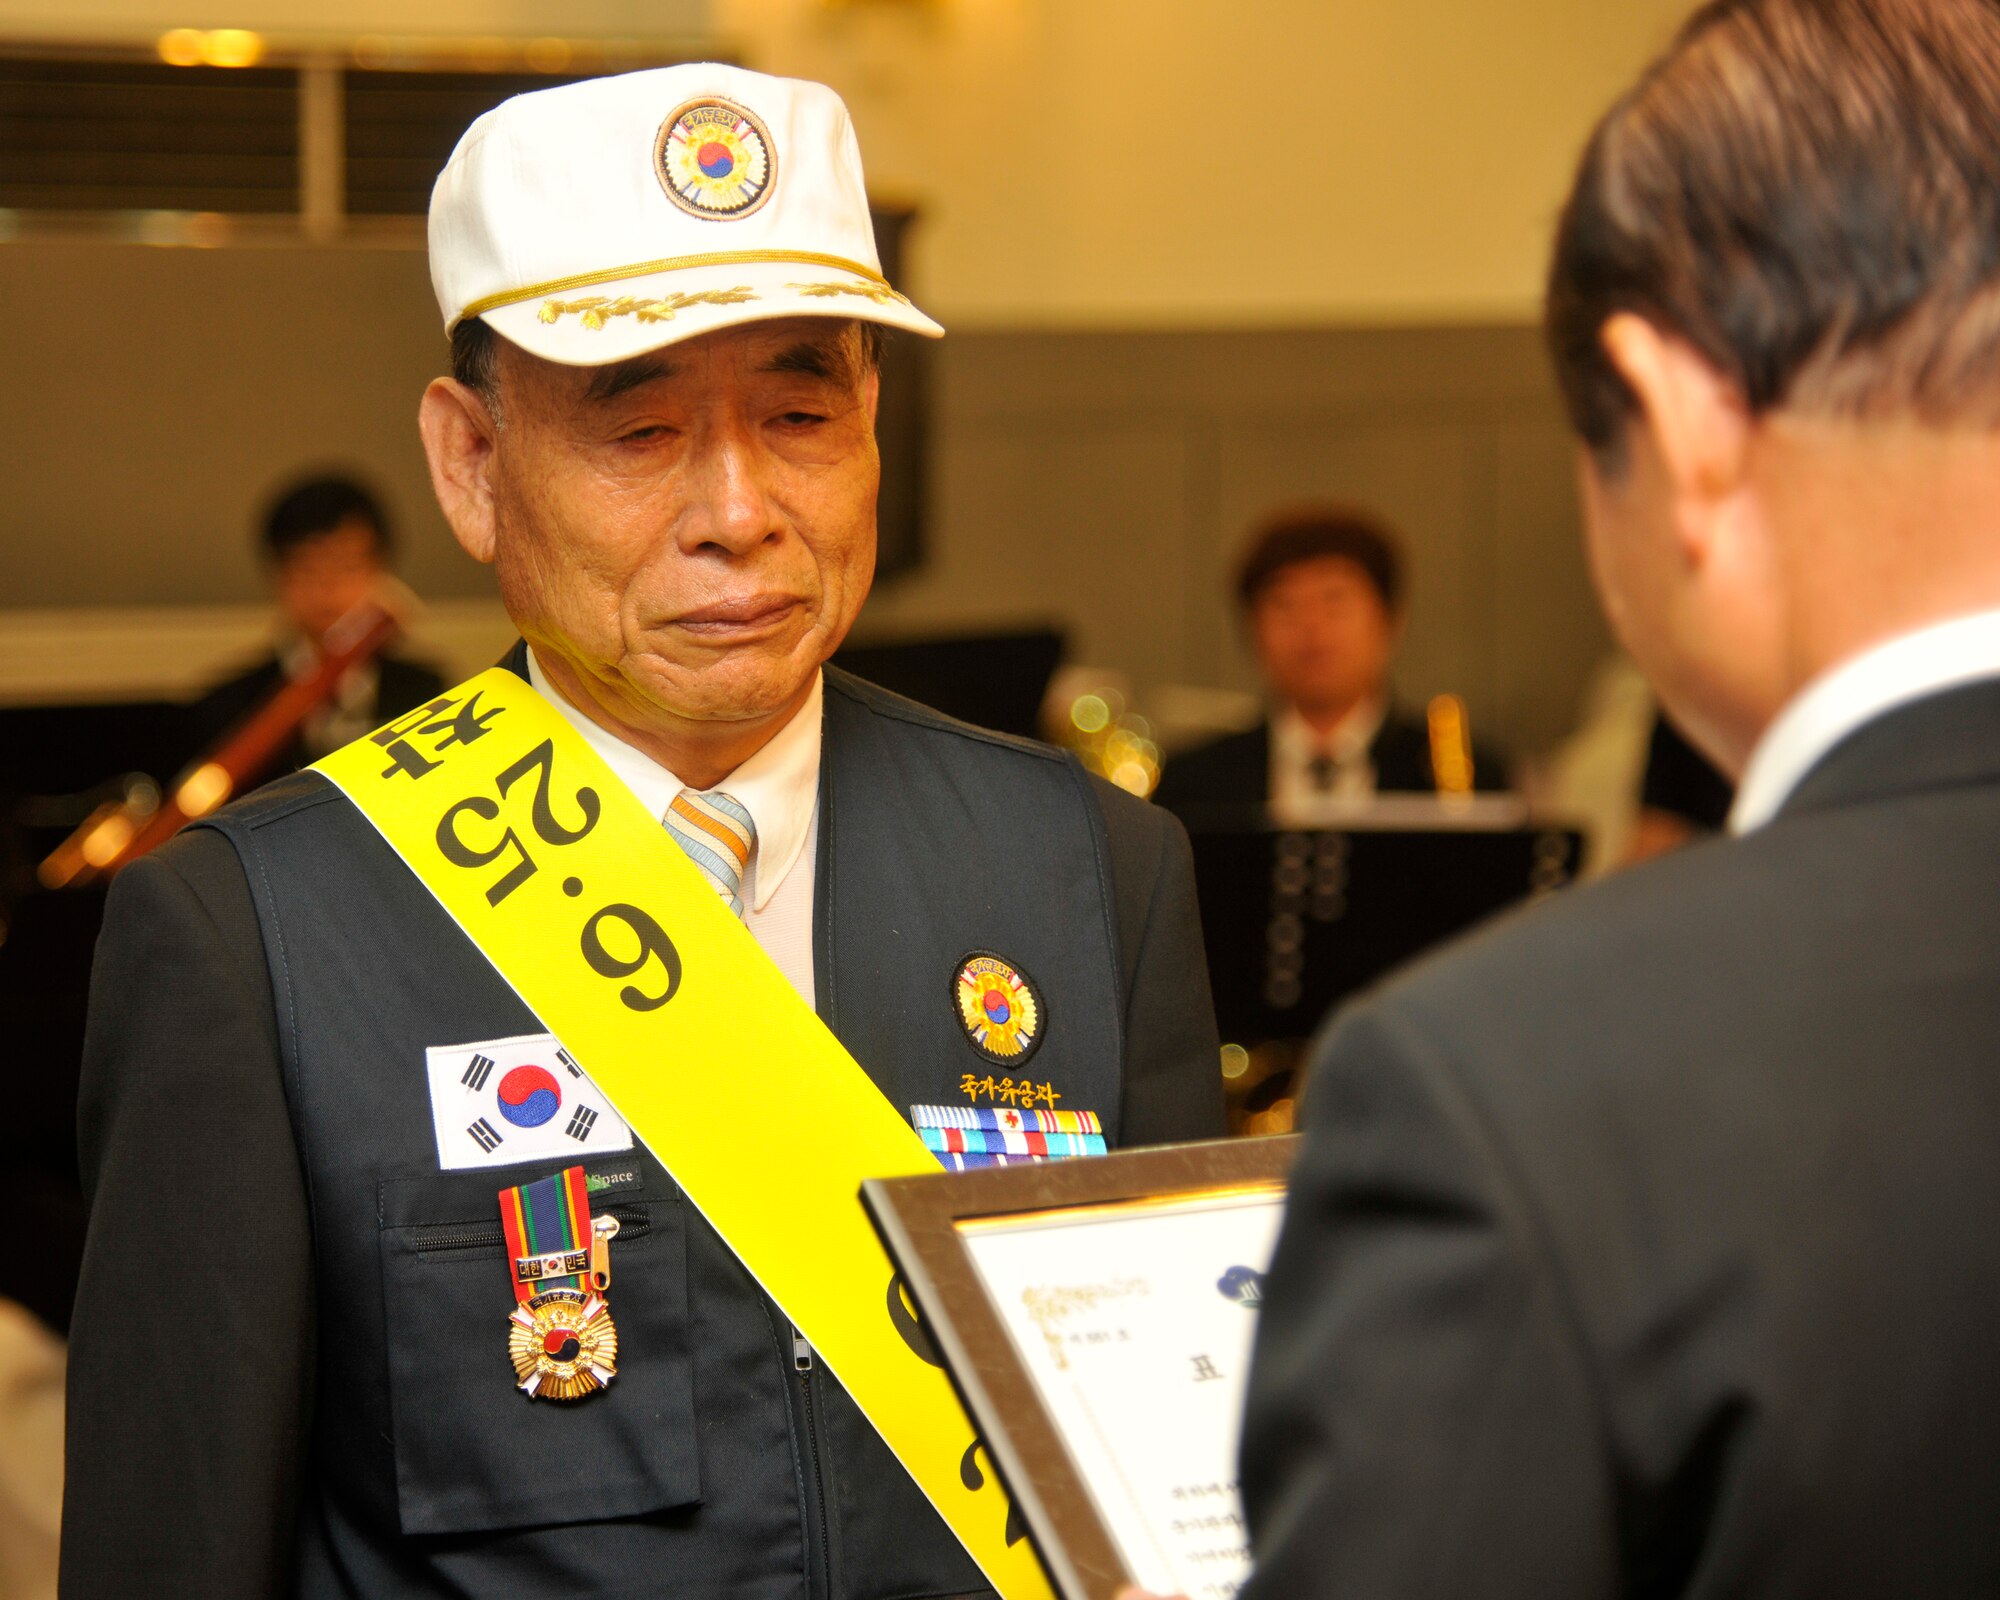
1297	740
778	786
1947	655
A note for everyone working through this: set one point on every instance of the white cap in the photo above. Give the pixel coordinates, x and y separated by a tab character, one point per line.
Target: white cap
599	220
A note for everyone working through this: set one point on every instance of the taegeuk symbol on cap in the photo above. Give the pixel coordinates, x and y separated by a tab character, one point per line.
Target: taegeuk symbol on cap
596	221
716	159
999	1008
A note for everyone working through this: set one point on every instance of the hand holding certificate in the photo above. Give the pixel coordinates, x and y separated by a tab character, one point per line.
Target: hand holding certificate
1097	1318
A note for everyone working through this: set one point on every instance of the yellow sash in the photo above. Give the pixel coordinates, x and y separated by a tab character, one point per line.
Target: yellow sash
617	943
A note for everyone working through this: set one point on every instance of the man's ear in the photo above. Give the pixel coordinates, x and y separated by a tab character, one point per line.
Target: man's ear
871	395
458	431
1696	417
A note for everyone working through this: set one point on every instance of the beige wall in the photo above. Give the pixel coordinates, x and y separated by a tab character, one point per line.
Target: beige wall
1175	162
153	398
1106	480
1101	479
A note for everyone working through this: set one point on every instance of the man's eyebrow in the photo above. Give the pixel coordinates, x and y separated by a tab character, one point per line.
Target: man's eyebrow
826	359
610	382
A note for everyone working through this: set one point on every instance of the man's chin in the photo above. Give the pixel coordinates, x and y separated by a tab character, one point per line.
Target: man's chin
743	685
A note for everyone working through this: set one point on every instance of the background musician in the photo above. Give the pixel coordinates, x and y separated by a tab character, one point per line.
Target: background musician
327	548
1322	598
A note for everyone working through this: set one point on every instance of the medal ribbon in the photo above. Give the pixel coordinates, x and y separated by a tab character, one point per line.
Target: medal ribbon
617	943
547	1224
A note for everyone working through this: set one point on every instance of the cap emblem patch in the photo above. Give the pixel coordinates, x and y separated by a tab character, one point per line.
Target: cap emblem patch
715	160
998	1007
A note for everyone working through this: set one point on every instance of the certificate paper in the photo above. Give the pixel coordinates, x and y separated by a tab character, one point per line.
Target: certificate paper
1134	1321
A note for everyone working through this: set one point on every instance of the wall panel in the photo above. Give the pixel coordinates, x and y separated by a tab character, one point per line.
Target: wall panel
149	399
1453	434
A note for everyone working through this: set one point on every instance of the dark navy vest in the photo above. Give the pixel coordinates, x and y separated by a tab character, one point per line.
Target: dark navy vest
712	1466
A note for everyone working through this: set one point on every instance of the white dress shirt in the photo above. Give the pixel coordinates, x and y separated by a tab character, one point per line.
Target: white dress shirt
351	710
1948	655
779	787
1296	746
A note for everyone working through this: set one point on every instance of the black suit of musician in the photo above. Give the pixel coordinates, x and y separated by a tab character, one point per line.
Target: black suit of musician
1649	1244
1322	599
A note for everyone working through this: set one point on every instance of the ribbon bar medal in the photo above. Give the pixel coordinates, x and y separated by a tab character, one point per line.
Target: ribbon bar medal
560	1334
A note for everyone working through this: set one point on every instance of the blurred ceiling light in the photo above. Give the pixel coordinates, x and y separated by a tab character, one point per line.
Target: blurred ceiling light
1089	713
183	47
203	789
218	47
234	47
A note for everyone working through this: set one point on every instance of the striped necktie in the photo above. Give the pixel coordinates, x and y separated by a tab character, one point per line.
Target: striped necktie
718	836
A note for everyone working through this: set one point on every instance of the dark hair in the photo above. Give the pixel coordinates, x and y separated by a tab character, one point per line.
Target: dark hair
475	354
317	506
1298	536
475	357
1808	193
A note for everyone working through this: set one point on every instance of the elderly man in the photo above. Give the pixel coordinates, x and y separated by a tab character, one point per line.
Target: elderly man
306	1081
1650	1244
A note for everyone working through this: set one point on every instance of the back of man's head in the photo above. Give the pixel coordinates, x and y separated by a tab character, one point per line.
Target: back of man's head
306	510
1808	193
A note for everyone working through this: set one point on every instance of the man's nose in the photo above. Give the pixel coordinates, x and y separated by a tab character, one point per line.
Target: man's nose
730	506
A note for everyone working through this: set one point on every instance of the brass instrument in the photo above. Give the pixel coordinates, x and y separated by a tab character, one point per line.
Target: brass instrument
1451	746
122	830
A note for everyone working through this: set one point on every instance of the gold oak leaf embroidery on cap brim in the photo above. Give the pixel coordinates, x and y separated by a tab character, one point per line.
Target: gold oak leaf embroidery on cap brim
880	293
598	309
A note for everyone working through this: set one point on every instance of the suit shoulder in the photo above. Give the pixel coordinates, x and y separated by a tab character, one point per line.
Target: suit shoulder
879	702
1131	820
205	864
207	854
1580	949
301	811
275	801
190	899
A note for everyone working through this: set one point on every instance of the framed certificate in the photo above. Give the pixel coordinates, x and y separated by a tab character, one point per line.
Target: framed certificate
1096	1316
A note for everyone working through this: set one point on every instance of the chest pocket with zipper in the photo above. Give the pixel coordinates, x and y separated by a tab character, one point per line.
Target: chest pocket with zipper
472	1452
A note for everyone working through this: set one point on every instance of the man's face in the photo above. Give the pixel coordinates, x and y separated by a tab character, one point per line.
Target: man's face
1323	635
320	581
692	532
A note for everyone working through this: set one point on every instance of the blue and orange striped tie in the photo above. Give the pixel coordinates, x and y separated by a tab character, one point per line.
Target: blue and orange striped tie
718	835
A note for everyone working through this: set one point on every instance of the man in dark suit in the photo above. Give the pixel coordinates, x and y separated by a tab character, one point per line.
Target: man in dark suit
290	1373
327	546
1322	598
1649	1244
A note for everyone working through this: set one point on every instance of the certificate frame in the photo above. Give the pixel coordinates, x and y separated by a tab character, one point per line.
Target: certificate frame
919	1219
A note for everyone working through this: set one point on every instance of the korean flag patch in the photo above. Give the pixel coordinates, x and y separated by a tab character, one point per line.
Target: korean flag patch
508	1100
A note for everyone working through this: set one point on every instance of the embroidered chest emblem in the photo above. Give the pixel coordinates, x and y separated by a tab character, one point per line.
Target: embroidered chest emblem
715	160
999	1008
